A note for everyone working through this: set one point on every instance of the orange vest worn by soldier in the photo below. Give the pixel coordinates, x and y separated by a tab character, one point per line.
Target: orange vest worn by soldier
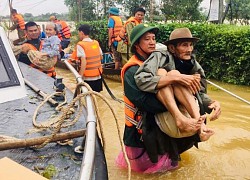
117	28
123	33
93	58
18	18
132	115
51	72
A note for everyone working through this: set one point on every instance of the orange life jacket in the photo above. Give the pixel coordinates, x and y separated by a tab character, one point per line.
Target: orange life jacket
51	72
65	31
123	33
133	116
93	58
19	19
117	28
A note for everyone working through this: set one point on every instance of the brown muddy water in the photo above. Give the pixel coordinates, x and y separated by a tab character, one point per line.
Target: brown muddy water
226	155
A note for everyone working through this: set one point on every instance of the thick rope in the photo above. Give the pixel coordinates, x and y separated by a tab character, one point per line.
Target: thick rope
92	93
57	124
100	125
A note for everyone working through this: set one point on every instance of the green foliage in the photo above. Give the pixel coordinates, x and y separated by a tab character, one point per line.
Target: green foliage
131	5
181	10
81	10
49	171
239	11
99	32
223	50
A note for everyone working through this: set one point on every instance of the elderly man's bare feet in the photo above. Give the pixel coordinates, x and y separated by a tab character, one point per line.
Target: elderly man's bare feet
205	133
186	124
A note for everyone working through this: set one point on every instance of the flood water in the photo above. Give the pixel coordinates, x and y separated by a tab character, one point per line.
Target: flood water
226	155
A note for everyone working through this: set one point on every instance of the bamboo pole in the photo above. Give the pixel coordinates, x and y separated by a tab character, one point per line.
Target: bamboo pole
21	143
41	93
232	94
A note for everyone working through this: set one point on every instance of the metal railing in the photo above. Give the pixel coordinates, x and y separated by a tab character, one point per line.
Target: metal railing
89	150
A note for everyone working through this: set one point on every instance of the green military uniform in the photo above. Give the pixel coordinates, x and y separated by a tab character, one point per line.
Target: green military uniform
124	48
153	139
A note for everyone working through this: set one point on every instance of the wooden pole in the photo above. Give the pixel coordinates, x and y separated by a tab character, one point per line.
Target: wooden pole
234	95
41	93
21	143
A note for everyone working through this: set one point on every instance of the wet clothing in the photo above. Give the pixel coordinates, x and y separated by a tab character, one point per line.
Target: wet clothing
152	139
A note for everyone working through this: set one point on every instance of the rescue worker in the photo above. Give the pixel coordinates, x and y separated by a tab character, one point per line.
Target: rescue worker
124	45
114	27
89	55
149	149
64	33
33	43
19	24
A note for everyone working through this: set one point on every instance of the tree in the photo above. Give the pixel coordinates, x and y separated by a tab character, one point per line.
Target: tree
131	5
238	10
181	10
81	9
27	15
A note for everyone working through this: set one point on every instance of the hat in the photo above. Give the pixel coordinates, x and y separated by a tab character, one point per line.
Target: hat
113	10
41	61
138	31
180	35
52	18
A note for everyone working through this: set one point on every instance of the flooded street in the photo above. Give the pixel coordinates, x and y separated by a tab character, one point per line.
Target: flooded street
226	155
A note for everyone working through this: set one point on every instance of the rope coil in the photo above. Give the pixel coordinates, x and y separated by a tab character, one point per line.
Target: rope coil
56	124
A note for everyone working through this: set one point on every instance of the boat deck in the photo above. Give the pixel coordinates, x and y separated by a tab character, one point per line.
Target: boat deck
16	121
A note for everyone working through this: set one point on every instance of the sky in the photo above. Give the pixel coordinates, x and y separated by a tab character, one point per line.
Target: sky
37	7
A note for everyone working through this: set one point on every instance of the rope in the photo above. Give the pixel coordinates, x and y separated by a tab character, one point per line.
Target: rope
57	123
92	93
